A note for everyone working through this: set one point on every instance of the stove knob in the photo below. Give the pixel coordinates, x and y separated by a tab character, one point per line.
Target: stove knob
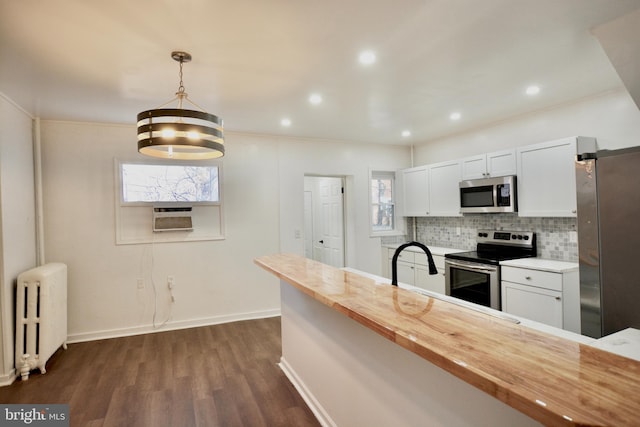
526	237
479	234
519	236
513	237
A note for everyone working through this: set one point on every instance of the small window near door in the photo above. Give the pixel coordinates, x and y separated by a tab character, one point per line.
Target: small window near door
383	218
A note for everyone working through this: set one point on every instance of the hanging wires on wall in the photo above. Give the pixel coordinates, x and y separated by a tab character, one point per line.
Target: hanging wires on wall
156	294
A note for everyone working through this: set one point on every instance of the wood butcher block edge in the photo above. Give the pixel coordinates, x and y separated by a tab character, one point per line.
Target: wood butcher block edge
553	380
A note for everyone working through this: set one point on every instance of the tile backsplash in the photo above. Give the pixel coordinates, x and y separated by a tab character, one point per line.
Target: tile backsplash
556	237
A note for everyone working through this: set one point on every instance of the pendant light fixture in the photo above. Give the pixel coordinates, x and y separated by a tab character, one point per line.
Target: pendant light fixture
178	133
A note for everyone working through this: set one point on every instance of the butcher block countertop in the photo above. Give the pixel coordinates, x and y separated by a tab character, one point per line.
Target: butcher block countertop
553	380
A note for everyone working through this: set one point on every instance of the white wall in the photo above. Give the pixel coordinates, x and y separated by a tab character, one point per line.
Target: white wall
17	219
613	118
314	157
351	376
263	190
214	280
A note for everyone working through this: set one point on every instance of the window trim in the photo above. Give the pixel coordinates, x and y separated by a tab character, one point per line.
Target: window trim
208	217
161	162
398	222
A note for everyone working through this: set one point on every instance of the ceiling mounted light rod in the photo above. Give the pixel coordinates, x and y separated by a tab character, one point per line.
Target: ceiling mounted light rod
178	133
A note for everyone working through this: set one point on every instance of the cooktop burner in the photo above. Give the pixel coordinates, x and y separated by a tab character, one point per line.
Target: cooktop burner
495	246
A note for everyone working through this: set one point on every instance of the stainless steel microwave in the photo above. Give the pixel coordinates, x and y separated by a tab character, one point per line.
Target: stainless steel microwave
488	195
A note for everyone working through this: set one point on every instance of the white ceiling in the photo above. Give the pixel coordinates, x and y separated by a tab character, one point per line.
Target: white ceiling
257	61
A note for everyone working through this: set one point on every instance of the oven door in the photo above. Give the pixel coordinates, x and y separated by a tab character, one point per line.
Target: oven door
473	282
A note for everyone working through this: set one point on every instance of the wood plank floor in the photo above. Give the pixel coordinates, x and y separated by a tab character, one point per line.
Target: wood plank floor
222	375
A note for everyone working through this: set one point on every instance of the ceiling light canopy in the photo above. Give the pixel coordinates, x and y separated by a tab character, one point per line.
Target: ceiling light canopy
178	133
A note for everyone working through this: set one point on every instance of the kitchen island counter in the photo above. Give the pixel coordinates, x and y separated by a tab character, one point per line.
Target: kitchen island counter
553	380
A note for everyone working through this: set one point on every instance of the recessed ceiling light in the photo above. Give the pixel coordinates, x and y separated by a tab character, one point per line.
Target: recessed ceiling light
406	133
455	116
532	90
367	57
285	122
315	99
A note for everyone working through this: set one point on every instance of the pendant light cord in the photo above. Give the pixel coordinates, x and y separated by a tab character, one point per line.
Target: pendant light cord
181	94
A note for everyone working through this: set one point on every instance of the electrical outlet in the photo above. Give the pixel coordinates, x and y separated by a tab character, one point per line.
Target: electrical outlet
170	281
140	283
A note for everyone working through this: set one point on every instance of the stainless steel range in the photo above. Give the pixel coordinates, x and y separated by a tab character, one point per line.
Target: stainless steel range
475	276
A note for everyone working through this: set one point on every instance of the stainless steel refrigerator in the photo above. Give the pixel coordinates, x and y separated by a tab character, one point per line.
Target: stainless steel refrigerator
608	195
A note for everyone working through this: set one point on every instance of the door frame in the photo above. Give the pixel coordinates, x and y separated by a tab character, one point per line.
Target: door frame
347	203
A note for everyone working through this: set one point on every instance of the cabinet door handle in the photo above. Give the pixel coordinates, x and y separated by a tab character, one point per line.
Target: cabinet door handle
528	277
557	298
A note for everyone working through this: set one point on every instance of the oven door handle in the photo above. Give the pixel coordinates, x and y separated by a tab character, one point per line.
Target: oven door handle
469	266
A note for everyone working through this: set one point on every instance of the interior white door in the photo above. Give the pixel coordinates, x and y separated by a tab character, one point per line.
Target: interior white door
332	221
328	219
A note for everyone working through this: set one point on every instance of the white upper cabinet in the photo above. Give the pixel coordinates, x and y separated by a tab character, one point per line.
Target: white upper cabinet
415	191
545	172
444	188
431	190
474	167
499	163
547	179
502	163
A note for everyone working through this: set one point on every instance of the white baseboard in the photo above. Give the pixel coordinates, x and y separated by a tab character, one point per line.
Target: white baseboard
321	415
170	326
9	378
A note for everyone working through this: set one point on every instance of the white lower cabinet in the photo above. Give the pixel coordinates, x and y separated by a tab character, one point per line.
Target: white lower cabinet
406	272
433	283
539	304
542	296
413	269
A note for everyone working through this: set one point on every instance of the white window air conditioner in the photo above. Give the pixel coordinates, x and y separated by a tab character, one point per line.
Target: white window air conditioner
172	219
